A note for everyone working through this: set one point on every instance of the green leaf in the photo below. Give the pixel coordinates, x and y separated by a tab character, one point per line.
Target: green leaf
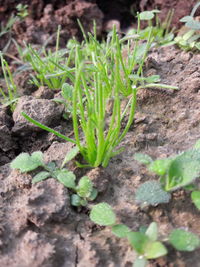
153	79
93	194
51	166
143	158
140	262
120	230
25	163
155	250
84	202
37	156
160	166
67	178
40	177
70	155
183	169
147	15
151	193
186	19
75	200
152	231
183	240
193	24
138	241
84	188
67	91
196	198
102	214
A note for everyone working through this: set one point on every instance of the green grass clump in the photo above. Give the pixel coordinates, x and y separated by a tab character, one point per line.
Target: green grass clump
9	98
101	75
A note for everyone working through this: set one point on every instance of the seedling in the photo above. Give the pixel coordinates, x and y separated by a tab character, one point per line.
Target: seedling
190	39
51	68
161	32
101	74
22	11
175	172
10	98
82	192
145	242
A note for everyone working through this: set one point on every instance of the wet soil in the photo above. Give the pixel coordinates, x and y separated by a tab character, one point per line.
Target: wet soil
38	218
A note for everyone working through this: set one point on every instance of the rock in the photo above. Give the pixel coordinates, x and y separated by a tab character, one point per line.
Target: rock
100	179
48	201
35	250
43	110
44	92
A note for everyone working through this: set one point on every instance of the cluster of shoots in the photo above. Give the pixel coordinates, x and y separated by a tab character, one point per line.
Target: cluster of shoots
146	242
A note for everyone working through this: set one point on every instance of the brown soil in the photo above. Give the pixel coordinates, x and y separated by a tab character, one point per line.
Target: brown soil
38	227
45	16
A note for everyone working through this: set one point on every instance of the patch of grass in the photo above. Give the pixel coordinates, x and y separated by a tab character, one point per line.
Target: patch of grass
9	98
101	74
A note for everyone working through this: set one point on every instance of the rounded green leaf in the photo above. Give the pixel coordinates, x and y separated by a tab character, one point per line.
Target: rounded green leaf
152	231
102	214
183	240
196	198
120	230
93	194
146	15
40	177
151	193
138	241
184	169
67	178
37	156
25	163
75	200
143	158
160	166
84	188
155	250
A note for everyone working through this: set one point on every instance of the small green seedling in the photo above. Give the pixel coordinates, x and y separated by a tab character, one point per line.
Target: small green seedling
22	11
175	172
190	39
82	192
145	242
161	32
51	68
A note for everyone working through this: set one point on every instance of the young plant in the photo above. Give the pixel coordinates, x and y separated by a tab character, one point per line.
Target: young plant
161	32
145	242
51	68
99	78
175	172
190	38
82	192
9	98
22	11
